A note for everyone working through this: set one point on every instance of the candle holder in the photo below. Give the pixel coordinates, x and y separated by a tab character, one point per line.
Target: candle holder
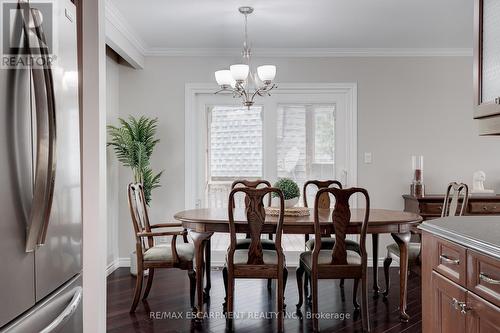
417	187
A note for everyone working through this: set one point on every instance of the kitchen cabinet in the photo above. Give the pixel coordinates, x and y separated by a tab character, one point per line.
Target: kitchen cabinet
460	275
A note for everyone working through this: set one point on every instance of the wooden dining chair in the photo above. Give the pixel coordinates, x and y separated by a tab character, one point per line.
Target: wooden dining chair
255	261
339	262
454	193
151	256
244	243
327	243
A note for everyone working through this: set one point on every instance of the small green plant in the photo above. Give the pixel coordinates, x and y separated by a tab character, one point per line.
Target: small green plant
289	188
133	142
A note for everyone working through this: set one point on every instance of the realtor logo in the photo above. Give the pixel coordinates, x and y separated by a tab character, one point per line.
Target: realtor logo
27	34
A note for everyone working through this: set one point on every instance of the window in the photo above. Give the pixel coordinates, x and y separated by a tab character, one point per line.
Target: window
235	142
234	149
305	142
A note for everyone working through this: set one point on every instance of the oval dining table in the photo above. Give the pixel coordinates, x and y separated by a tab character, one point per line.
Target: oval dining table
202	223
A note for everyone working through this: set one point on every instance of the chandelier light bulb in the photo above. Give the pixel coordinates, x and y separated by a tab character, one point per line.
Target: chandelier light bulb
239	72
266	73
224	77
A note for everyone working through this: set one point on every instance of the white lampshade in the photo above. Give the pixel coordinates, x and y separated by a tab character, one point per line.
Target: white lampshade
266	72
224	77
239	72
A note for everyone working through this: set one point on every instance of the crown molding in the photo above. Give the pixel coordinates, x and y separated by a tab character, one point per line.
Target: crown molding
116	18
312	52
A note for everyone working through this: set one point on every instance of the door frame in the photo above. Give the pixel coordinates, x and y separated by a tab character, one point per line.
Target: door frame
191	134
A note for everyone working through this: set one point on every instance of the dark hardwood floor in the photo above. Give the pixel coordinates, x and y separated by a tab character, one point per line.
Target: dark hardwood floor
166	309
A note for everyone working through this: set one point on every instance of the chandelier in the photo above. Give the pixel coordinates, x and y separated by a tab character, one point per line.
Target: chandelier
239	78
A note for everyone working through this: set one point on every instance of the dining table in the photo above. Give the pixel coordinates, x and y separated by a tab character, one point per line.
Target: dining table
202	223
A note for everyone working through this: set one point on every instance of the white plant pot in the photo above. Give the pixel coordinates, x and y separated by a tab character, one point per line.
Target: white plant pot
291	202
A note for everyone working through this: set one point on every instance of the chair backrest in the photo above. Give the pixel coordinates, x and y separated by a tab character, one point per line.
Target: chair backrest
255	215
454	192
251	184
139	213
341	217
324	201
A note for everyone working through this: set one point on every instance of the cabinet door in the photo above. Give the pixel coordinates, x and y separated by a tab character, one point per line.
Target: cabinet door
482	316
486	66
446	299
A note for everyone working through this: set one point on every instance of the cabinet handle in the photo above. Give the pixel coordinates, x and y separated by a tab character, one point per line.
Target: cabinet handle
464	308
487	279
455	303
449	260
497	100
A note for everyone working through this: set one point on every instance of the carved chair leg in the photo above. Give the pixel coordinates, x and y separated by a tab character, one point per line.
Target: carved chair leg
355	294
314	294
307	284
149	283
299	274
192	287
387	265
224	278
230	297
364	305
285	278
280	300
138	288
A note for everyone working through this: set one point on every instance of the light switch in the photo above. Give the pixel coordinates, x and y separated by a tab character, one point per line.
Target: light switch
368	158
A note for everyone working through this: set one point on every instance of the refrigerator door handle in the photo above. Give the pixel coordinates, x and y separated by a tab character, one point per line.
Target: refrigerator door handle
45	164
66	313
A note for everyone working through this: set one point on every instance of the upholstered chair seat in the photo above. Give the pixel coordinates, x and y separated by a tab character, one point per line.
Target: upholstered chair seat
325	258
244	243
185	251
327	243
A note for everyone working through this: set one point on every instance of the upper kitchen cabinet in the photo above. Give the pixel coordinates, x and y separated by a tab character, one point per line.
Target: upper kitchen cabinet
487	66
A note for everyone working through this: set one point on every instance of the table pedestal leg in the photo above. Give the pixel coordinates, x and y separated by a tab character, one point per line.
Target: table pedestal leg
199	239
208	270
376	288
402	240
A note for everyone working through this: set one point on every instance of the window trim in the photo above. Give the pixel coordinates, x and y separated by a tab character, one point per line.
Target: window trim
192	136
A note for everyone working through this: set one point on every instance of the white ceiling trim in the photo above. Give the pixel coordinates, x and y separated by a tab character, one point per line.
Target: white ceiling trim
116	18
312	52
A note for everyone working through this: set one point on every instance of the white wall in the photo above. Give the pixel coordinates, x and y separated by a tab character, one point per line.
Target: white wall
112	114
406	106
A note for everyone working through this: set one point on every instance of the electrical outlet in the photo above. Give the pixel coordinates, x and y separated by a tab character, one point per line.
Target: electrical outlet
368	158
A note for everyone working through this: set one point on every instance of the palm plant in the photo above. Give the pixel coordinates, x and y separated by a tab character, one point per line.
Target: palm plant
133	142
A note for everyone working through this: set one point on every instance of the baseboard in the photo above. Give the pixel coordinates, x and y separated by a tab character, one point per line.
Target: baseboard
218	260
117	263
292	259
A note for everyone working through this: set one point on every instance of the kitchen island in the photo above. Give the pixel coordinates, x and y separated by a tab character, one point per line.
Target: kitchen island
461	274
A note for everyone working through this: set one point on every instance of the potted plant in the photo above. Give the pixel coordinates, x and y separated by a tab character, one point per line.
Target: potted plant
290	190
133	142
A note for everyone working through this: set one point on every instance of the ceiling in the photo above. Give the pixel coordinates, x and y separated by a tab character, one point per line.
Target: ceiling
299	24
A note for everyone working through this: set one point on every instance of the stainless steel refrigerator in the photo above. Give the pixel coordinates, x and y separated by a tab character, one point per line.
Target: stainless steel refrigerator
40	191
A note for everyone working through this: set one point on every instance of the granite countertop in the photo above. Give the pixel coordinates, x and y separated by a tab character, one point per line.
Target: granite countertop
480	233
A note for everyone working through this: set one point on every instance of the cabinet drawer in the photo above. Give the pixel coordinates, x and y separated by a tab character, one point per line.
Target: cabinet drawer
484	208
434	209
449	260
483	276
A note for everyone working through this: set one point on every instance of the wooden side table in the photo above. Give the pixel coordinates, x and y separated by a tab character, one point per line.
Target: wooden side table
430	206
